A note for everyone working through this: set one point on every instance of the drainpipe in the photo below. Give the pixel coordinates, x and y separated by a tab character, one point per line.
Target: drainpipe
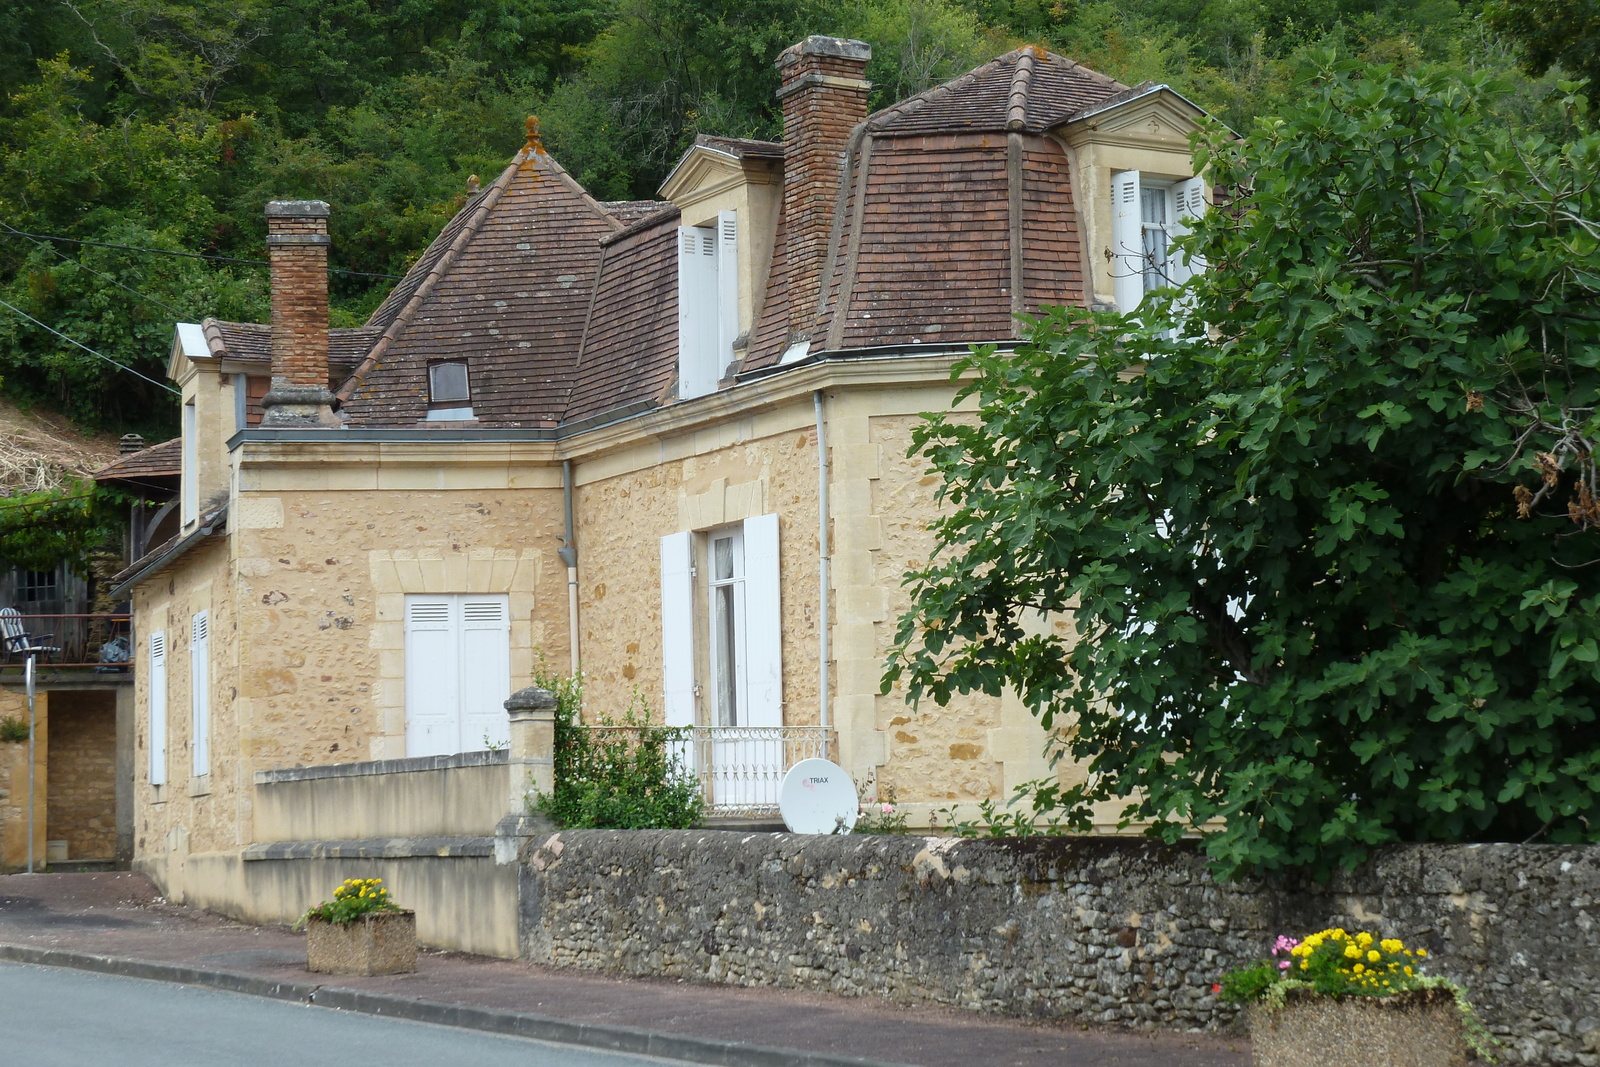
822	562
569	555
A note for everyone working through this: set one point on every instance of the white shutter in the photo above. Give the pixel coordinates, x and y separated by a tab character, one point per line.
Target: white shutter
677	630
763	622
200	693
1189	202
697	311
433	693
158	708
1127	240
485	671
727	291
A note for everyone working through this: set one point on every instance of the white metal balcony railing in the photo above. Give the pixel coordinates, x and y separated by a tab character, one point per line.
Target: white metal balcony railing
741	767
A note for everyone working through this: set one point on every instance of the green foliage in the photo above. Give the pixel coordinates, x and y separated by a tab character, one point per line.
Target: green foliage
1036	819
625	775
14	728
1330	559
354	898
1553	33
40	531
166	124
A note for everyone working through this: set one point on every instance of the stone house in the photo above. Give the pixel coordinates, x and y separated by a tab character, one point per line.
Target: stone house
663	440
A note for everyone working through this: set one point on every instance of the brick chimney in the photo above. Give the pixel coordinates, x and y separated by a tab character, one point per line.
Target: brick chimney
297	245
824	96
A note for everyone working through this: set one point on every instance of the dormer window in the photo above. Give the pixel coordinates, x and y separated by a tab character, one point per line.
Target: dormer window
449	392
708	303
1148	214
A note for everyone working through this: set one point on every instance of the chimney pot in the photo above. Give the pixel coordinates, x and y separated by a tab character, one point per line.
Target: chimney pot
297	245
131	443
824	97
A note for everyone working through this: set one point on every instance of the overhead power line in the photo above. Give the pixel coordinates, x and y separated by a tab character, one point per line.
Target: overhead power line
92	352
79	263
187	255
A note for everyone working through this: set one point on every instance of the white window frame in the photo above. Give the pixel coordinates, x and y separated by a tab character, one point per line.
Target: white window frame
1135	272
708	303
688	582
726	637
200	693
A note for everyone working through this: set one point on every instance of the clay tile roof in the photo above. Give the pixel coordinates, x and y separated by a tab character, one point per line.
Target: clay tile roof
1029	89
157	461
251	342
742	147
629	212
508	294
629	354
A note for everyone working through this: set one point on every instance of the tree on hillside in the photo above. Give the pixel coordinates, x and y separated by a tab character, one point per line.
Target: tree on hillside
1323	527
1553	33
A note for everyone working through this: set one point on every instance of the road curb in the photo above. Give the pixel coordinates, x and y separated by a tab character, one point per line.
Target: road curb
611	1038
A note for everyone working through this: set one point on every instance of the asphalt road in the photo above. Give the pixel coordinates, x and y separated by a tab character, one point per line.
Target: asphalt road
51	1016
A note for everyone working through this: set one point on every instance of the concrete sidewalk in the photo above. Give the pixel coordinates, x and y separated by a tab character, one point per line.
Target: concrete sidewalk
116	922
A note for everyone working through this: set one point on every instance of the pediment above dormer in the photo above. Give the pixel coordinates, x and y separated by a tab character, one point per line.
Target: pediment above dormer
1156	117
714	167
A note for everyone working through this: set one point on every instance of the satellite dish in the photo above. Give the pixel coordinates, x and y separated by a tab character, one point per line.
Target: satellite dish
818	797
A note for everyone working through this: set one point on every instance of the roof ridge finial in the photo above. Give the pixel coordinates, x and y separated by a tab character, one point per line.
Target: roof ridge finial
534	147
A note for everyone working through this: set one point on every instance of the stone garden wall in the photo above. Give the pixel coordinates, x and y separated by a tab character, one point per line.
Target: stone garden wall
1110	931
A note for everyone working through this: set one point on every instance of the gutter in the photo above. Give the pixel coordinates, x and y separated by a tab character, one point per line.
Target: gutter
569	555
215	522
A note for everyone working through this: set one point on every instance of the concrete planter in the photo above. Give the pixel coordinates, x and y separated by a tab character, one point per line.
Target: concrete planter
1421	1028
384	942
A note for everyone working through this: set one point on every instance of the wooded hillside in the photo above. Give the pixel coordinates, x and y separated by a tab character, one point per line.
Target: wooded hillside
136	127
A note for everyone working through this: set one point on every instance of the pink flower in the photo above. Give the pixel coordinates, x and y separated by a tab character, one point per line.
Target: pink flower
1283	965
888	809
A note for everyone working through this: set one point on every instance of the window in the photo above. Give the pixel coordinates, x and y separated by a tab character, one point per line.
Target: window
200	694
458	673
191	465
719	594
708	303
34	587
449	394
1148	214
158	708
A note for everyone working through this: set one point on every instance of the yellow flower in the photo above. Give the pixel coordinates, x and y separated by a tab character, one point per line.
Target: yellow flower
1422	952
1408	970
1304	964
1363	939
1351	952
1390	944
1373	957
1359	968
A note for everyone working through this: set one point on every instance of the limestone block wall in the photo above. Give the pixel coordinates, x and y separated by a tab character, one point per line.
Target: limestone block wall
426	796
1110	931
82	805
628	501
321	582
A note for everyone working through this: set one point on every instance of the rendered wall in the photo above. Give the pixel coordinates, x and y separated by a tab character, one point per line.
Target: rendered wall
1094	930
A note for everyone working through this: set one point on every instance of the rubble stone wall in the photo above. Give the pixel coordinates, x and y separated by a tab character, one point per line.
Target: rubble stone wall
1110	931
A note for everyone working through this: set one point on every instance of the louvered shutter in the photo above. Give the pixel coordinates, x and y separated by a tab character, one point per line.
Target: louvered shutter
200	693
1189	200
697	310
763	622
158	708
677	630
433	712
485	671
1127	240
727	292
